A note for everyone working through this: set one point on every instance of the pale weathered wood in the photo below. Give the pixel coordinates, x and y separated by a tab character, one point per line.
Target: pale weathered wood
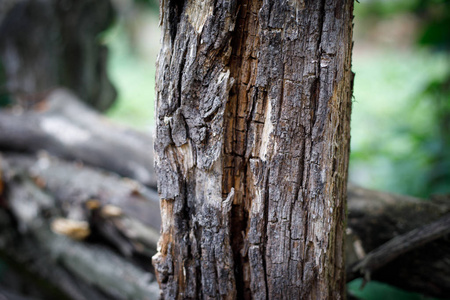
253	106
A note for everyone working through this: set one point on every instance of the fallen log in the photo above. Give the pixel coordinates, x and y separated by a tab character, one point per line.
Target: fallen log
399	240
401	245
123	211
79	269
63	126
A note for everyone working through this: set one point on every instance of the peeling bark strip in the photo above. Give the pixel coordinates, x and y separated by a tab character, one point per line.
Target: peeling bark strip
253	126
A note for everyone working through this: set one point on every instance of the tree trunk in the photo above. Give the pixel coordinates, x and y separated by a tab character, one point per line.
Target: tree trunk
253	121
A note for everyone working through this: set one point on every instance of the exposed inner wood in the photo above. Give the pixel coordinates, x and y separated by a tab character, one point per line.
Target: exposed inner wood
238	112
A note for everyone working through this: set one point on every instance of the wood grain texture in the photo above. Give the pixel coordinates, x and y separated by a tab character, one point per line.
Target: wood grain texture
253	106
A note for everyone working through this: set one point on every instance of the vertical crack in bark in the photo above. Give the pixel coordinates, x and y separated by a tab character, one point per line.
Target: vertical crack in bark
315	91
319	41
176	8
264	239
317	83
238	112
314	100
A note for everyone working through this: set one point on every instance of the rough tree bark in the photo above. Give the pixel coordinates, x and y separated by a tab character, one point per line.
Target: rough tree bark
253	112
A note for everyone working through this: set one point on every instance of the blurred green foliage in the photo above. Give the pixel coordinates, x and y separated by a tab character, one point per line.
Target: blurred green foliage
134	77
397	137
401	116
400	126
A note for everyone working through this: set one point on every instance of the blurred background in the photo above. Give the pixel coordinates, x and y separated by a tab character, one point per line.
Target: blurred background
401	106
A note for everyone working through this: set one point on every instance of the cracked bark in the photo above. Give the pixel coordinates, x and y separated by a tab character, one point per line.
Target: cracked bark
253	112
